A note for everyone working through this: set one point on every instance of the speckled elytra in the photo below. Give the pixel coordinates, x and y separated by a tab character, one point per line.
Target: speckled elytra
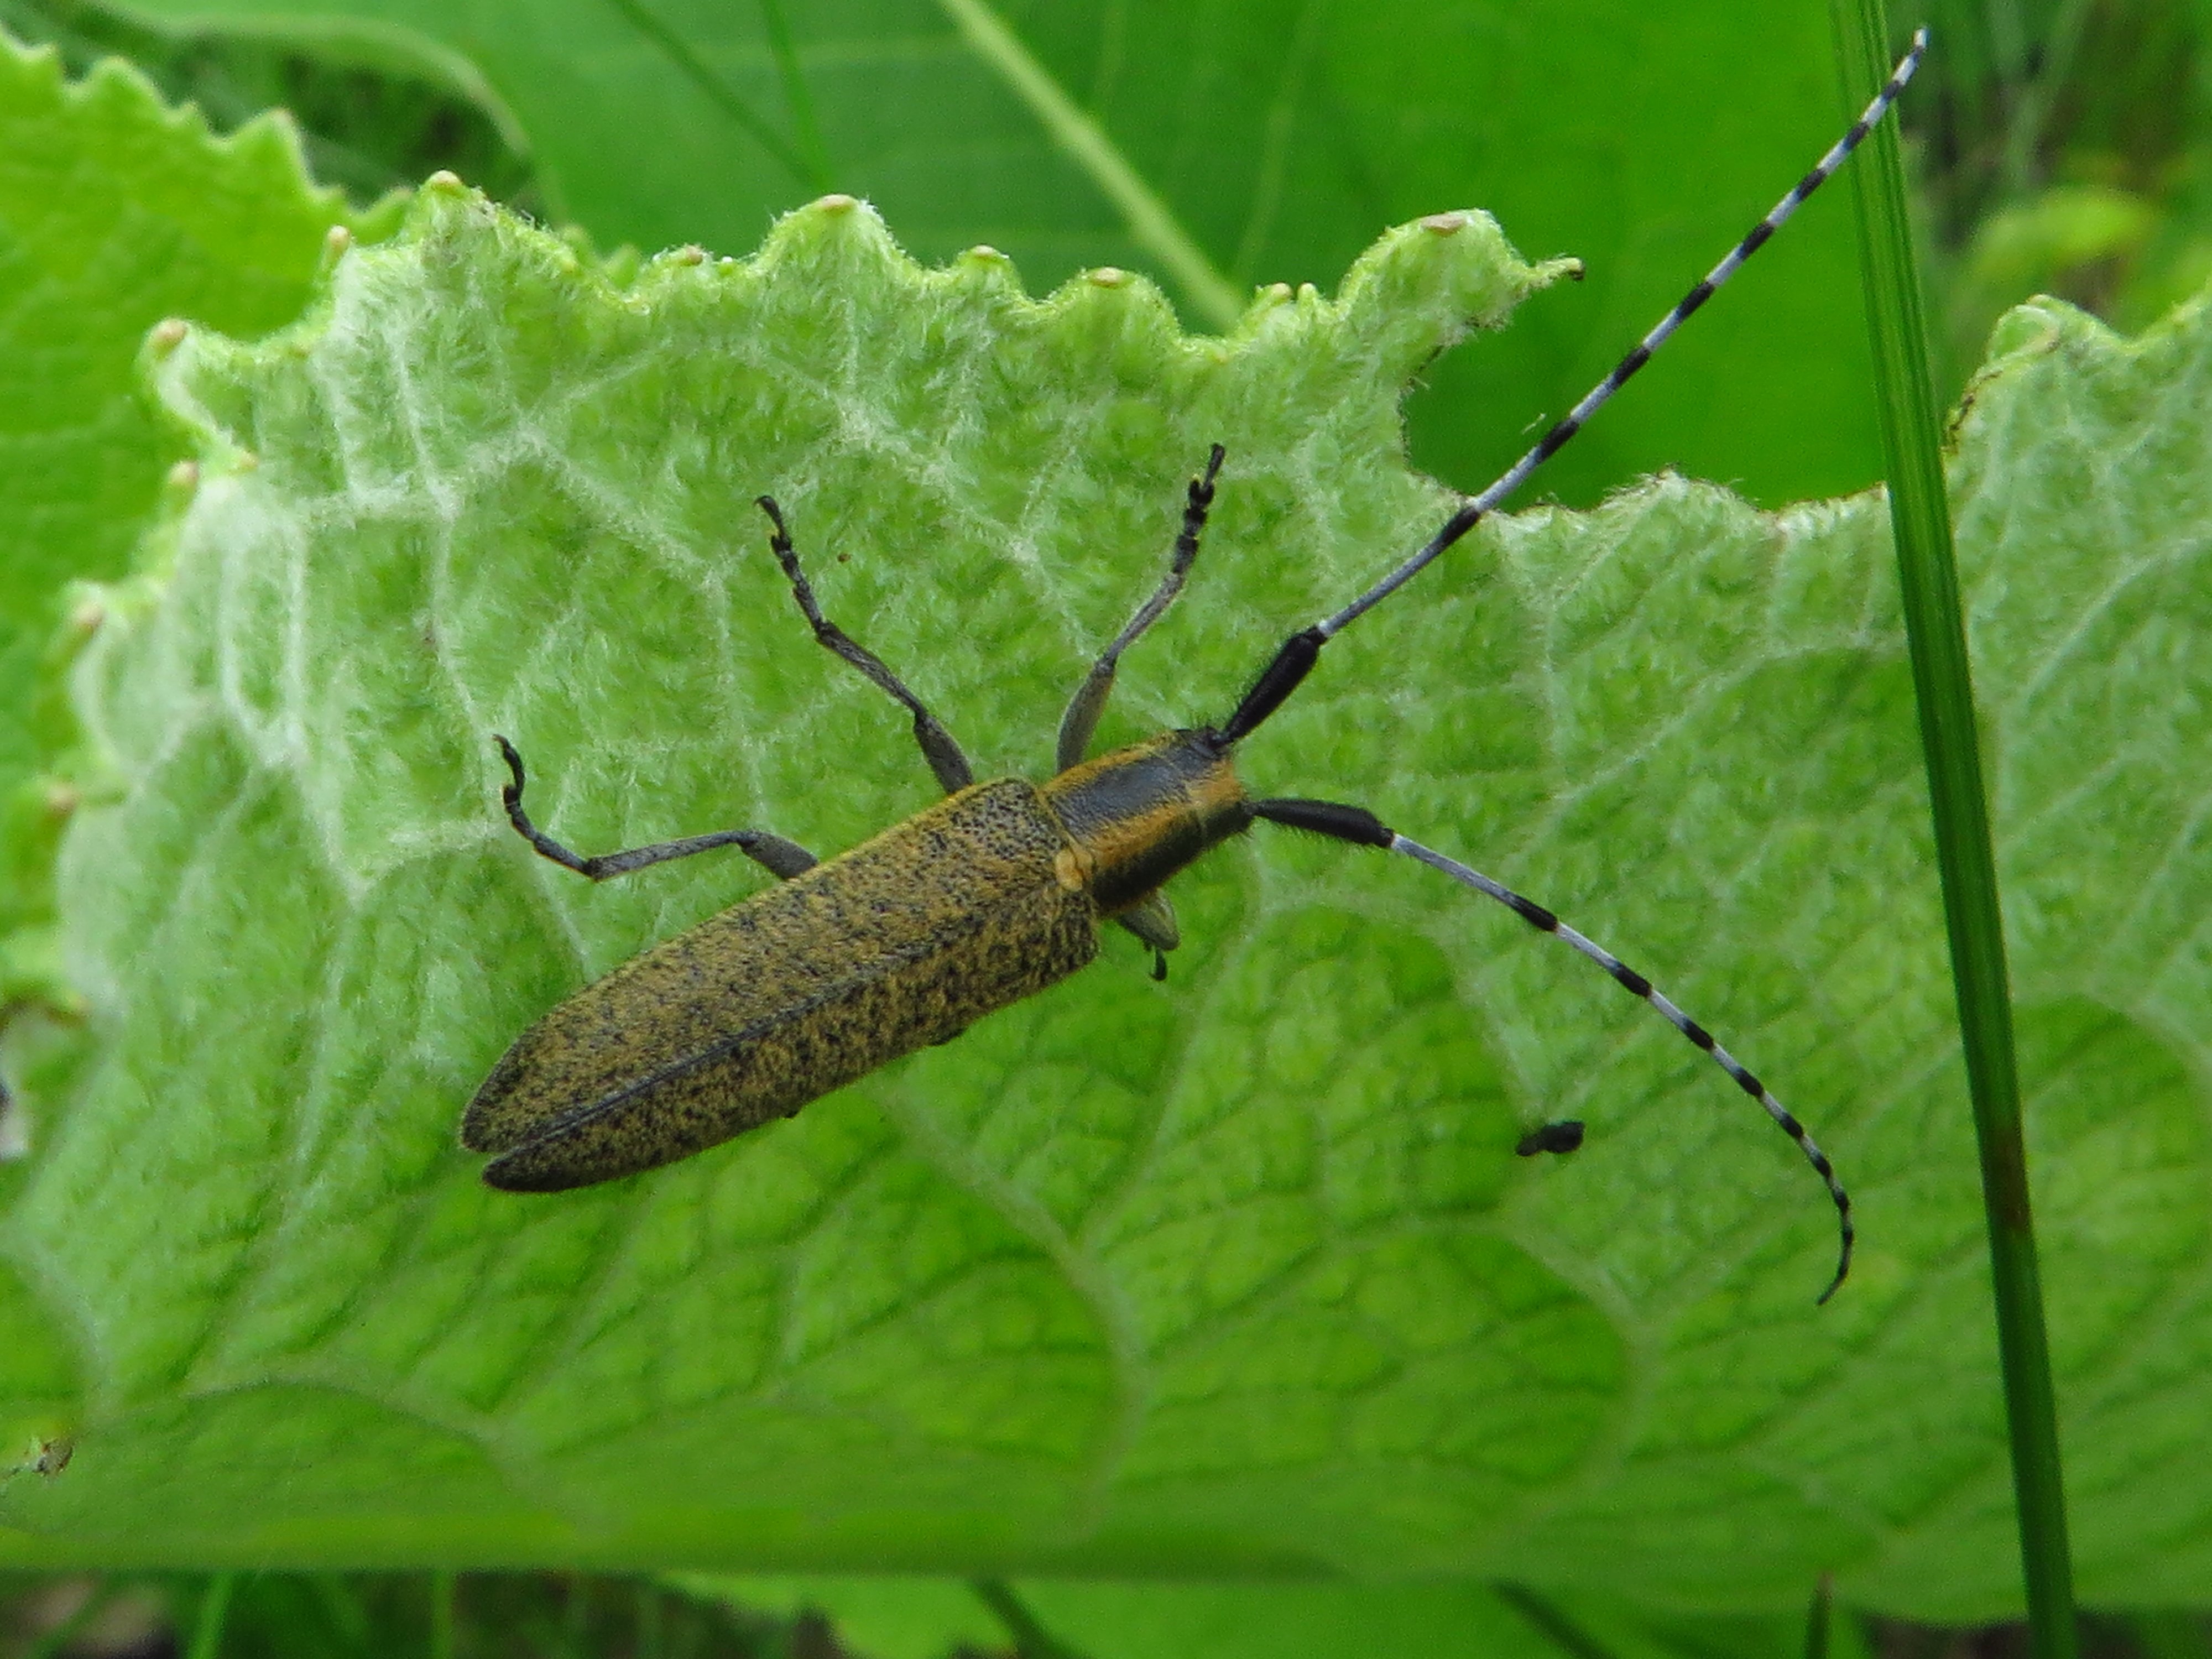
988	896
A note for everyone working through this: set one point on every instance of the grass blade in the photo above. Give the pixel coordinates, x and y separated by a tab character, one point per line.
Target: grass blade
1920	516
55	1641
214	1612
1819	1617
1031	1639
444	1586
1567	1635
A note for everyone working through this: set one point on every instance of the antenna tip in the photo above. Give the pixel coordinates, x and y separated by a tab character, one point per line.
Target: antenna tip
1843	1272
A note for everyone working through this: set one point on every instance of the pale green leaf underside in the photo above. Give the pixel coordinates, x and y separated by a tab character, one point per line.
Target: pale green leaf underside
1234	1274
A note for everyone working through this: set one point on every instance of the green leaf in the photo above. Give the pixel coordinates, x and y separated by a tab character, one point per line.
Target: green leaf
1232	1276
1217	147
371	129
115	213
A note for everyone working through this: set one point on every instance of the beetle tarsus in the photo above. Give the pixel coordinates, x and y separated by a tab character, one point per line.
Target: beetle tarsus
1560	1138
1084	708
511	795
937	744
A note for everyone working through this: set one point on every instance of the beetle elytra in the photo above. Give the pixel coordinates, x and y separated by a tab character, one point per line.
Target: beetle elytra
982	899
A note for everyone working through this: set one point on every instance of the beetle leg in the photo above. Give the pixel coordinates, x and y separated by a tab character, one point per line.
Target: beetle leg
783	858
1084	708
938	747
1362	828
1152	920
1558	1137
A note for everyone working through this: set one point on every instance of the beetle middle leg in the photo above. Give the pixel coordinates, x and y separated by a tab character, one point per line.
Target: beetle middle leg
1088	703
783	858
938	747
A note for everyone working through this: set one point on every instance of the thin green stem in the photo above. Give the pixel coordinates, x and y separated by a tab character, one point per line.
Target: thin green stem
717	92
444	1587
62	1634
796	97
1277	149
214	1614
1031	1639
576	1618
1819	1617
1150	223
1934	626
2029	111
2008	41
342	1604
1562	1633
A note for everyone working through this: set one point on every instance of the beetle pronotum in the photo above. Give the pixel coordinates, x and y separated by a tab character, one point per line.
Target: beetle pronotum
989	896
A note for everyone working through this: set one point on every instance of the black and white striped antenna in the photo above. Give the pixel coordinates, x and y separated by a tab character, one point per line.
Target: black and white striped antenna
1551	443
1298	653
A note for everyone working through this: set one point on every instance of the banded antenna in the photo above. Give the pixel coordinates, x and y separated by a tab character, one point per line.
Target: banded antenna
1295	657
1551	443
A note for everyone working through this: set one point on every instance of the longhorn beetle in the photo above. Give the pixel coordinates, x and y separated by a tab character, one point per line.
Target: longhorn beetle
993	893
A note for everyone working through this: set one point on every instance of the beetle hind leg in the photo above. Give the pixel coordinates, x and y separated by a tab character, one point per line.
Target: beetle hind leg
938	746
782	858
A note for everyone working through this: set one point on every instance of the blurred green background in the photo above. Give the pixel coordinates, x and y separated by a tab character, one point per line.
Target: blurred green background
2060	146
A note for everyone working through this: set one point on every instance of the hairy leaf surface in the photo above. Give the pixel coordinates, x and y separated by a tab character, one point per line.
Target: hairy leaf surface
1234	1275
115	213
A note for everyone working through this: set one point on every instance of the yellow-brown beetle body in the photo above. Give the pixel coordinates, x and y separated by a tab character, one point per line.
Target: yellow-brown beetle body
986	897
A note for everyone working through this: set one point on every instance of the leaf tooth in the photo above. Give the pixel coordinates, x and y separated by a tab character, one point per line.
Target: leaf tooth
1424	285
